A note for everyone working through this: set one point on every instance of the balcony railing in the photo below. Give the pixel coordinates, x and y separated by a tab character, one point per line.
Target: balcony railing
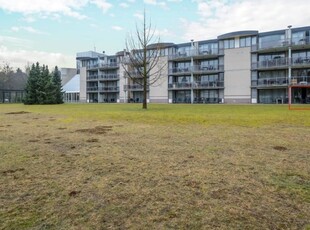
300	80
269	82
180	85
273	63
194	53
92	77
301	41
109	65
208	84
196	69
186	70
92	89
207	68
108	77
300	61
109	89
134	87
196	85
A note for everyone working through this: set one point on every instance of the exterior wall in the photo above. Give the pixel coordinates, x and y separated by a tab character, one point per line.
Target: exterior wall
159	91
237	76
83	97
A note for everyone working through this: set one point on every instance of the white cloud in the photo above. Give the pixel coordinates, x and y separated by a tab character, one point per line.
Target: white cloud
138	15
118	28
102	4
161	4
222	16
16	42
47	8
20	58
28	29
124	5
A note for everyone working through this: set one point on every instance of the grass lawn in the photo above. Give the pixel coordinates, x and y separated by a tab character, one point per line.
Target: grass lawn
115	166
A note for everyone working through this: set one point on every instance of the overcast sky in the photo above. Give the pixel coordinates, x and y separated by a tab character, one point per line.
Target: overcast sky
53	31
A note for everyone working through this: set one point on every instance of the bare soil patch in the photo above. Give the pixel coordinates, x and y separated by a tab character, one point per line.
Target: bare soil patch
18	112
96	130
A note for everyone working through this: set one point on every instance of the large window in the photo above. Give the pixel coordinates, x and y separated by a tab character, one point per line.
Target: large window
300	38
245	41
270	41
209	48
229	43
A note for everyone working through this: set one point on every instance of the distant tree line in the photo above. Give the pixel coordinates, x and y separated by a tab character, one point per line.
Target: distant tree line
42	86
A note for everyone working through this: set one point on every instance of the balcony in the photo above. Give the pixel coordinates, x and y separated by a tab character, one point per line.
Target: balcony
92	89
92	66
301	43
180	56
272	82
199	69
276	63
196	85
107	89
180	70
300	80
134	87
301	62
196	53
109	65
208	84
92	78
108	77
180	85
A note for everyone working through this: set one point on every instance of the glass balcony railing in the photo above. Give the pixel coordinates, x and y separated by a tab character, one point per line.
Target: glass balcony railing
194	53
196	69
300	80
297	61
92	89
108	89
92	77
207	68
273	63
275	81
108	77
109	65
134	87
196	85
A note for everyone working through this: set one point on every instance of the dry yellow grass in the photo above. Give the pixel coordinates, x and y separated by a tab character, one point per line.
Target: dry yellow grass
172	167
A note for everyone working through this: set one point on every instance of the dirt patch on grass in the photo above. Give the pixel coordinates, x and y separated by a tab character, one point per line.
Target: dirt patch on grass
96	130
18	112
280	148
91	140
11	171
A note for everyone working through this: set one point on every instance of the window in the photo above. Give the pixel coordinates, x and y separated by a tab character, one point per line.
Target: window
245	41
270	41
229	43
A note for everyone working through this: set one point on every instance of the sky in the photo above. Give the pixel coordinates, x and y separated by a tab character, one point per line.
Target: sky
51	32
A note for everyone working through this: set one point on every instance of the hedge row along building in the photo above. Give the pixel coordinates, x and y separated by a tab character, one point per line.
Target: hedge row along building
237	67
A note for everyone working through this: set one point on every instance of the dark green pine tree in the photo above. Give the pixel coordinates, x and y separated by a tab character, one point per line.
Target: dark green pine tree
32	85
42	83
56	79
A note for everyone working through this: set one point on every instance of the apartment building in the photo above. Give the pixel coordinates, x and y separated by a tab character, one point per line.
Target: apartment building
237	67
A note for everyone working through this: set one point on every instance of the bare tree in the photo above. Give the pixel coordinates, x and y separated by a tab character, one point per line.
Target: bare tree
142	64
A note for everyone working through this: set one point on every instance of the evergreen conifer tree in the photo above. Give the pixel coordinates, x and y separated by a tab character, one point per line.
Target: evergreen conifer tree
43	87
56	79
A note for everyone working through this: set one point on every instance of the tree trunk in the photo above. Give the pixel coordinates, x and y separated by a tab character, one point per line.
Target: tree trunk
144	106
